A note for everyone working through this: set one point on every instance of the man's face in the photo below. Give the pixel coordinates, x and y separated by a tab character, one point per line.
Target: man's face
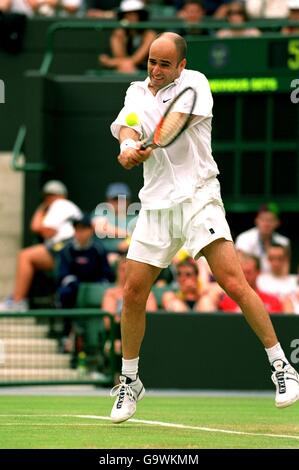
278	260
187	278
266	223
294	15
250	271
163	66
83	234
193	13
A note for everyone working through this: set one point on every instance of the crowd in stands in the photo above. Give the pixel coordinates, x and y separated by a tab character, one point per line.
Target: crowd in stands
126	42
91	248
128	46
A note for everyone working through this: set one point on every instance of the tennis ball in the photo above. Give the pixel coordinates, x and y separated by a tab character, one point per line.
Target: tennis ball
132	119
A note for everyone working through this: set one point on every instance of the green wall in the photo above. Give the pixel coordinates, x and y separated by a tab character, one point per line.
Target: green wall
211	351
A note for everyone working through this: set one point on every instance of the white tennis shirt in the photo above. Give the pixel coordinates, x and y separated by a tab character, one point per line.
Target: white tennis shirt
171	175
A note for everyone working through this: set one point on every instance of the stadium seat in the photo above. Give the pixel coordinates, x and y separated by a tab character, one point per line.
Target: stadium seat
158	293
90	295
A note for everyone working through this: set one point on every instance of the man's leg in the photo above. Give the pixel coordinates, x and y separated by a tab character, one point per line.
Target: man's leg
224	263
139	280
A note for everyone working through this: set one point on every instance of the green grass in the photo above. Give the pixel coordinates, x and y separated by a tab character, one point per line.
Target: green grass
31	422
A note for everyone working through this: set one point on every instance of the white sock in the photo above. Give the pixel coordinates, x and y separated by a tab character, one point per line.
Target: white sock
276	352
130	368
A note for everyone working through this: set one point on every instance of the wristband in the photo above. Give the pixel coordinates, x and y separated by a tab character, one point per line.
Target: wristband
127	143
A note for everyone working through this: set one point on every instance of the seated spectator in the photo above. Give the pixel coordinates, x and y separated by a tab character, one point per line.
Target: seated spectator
251	269
216	8
83	259
291	302
278	281
34	7
192	13
188	297
105	9
129	46
257	240
293	15
236	15
51	222
113	224
266	8
5	5
70	7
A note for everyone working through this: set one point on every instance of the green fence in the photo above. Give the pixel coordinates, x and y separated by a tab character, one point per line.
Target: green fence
211	351
57	347
180	351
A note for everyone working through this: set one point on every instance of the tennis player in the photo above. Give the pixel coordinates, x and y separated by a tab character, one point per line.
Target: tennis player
180	204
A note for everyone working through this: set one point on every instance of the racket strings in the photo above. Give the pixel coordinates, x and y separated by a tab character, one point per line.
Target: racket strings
171	125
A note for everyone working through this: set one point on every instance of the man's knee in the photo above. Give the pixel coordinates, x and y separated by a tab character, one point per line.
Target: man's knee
25	253
134	294
234	288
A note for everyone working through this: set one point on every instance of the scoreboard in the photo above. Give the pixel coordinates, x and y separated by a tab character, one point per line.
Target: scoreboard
259	64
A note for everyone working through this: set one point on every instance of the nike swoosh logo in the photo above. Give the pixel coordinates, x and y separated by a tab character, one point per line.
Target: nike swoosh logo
165	101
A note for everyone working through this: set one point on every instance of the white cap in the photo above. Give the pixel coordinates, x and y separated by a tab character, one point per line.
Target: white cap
293	4
131	5
55	187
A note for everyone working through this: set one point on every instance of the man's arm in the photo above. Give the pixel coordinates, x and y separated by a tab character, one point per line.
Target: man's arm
130	154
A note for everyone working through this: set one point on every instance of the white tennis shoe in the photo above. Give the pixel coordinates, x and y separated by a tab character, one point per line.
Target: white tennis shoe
286	380
128	392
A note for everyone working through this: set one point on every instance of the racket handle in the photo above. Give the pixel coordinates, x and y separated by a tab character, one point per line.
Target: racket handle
143	144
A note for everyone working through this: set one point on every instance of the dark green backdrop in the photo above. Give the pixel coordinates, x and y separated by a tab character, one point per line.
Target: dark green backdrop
211	351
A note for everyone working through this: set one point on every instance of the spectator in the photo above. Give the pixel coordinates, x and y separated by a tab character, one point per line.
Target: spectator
192	13
34	7
105	9
256	240
266	8
129	46
251	269
278	281
83	259
52	223
71	7
188	297
216	8
112	222
236	16
293	15
291	302
5	5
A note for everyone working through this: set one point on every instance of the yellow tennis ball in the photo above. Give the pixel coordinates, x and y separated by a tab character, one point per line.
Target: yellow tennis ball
132	119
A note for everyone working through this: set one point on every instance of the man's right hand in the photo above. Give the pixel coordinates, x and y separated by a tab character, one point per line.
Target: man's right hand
131	157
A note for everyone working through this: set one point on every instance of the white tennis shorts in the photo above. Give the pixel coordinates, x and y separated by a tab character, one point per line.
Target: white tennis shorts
159	234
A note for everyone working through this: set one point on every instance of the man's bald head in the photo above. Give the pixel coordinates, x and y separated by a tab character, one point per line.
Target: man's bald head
166	60
177	40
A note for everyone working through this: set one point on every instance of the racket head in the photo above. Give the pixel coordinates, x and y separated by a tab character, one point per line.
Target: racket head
176	118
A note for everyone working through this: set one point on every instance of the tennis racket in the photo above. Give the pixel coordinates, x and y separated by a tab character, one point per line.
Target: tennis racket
175	120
